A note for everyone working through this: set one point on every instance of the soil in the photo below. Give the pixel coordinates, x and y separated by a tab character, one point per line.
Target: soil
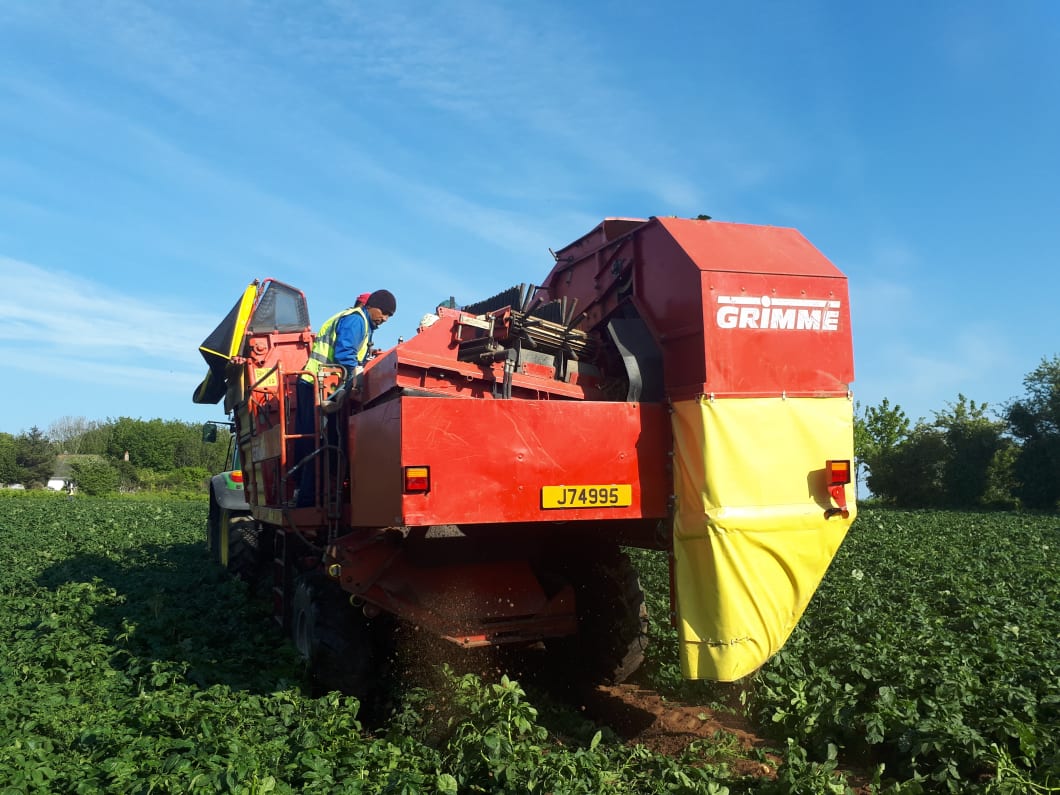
643	717
638	715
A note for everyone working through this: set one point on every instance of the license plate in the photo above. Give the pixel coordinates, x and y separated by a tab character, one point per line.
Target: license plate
608	496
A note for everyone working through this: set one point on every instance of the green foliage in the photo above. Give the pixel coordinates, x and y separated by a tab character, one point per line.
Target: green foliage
932	640
34	458
162	455
130	663
187	478
932	649
95	477
95	440
488	738
879	430
149	444
9	471
975	454
960	460
911	475
184	480
1035	421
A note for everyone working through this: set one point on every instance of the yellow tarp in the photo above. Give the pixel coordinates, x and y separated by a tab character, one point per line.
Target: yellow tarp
751	540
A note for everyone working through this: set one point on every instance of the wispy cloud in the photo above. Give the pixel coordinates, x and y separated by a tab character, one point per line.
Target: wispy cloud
71	324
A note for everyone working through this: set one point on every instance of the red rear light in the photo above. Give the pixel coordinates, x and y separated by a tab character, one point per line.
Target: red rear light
237	476
838	472
417	480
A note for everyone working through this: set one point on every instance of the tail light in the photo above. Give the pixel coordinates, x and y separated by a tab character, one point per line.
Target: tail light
838	475
417	480
838	472
236	476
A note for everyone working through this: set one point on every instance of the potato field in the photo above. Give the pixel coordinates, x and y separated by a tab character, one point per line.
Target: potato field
928	661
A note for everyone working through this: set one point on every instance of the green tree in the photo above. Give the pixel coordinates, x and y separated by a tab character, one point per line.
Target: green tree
145	444
95	440
35	457
159	445
962	459
95	477
910	474
1035	421
878	431
187	479
9	471
975	458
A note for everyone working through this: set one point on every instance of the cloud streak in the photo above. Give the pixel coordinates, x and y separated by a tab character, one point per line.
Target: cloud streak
72	323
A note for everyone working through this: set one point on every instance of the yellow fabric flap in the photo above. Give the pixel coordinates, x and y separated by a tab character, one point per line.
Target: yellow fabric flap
751	539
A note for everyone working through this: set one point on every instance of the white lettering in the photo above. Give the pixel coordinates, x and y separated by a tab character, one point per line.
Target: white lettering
782	318
782	314
749	317
808	319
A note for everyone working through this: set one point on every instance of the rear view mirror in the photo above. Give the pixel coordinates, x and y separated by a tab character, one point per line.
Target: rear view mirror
209	432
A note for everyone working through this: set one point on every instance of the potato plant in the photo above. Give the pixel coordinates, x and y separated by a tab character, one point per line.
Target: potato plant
130	663
929	661
929	657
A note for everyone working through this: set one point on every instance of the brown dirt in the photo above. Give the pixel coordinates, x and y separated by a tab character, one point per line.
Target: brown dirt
643	717
638	715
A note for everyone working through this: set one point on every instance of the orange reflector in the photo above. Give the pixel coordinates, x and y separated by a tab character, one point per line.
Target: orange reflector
417	480
838	472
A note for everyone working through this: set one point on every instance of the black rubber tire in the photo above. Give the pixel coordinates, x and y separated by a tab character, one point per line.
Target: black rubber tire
612	623
244	543
213	530
342	649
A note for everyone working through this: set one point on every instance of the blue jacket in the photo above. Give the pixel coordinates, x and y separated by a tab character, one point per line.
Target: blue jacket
350	337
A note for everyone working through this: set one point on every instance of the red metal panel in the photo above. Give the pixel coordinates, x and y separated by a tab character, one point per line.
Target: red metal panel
747	248
745	310
769	334
375	464
738	310
489	459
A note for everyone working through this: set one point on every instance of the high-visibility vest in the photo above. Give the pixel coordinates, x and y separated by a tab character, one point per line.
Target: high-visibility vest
323	350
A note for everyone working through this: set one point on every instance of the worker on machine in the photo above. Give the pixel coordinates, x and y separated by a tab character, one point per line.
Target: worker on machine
345	339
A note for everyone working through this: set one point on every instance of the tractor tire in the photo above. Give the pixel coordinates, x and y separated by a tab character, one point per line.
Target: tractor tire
239	542
213	530
342	649
612	623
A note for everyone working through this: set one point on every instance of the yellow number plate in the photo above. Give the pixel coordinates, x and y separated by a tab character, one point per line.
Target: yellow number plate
613	496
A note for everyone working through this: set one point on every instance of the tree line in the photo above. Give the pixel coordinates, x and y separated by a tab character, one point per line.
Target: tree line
116	455
964	457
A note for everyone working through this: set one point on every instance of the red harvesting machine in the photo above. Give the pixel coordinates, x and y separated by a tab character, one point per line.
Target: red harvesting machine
672	384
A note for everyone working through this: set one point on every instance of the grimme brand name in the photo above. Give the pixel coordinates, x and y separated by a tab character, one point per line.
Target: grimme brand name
766	312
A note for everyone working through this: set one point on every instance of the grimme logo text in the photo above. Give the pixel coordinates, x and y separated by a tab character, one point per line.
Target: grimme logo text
766	312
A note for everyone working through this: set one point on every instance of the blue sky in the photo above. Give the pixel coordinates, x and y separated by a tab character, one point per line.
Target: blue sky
155	157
